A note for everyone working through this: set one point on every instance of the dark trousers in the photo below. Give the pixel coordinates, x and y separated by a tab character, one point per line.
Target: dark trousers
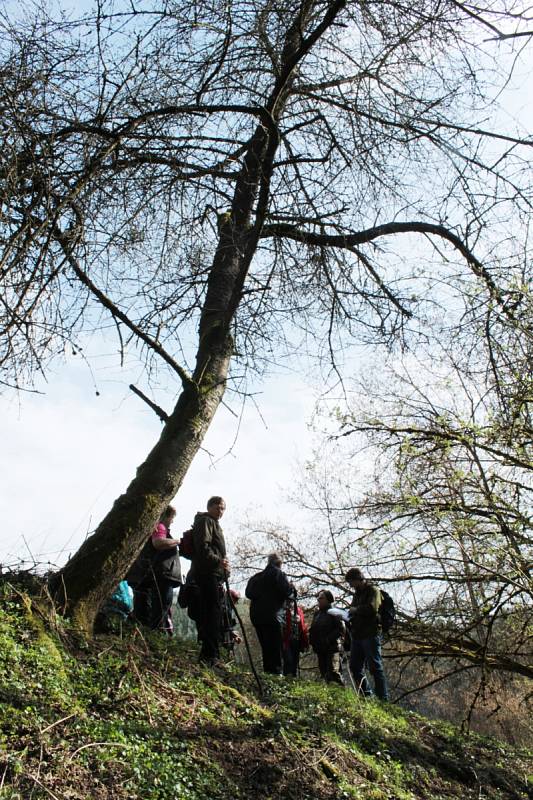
291	658
329	665
209	622
269	636
152	605
162	594
142	604
367	652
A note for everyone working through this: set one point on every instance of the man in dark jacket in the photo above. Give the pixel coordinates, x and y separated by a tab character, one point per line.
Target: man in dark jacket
326	636
268	590
208	571
365	629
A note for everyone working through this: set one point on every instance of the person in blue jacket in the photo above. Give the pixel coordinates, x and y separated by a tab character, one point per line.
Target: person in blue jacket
117	607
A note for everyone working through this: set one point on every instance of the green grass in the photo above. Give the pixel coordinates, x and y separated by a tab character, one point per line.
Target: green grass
135	717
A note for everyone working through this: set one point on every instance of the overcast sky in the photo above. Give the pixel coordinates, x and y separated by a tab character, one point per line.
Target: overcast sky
68	453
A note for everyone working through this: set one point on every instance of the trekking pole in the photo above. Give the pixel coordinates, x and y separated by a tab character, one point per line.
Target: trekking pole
295	617
244	636
230	644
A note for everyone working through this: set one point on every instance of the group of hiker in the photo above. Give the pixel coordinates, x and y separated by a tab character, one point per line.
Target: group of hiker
157	572
278	620
283	634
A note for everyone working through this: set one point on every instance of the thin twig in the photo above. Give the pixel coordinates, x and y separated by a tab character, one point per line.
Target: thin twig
100	744
46	789
57	722
163	416
145	694
246	644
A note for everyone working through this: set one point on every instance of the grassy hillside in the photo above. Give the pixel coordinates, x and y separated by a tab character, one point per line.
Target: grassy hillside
136	717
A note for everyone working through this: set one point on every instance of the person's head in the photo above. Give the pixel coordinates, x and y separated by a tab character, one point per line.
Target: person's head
167	517
325	599
216	507
355	578
274	560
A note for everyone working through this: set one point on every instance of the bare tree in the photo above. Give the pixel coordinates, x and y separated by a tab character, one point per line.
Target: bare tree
208	176
426	483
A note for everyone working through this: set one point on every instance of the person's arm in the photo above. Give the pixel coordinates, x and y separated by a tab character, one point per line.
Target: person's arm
165	544
283	584
336	633
370	609
161	540
375	600
208	556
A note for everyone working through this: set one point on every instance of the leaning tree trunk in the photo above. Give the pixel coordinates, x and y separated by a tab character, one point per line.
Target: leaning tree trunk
90	576
92	573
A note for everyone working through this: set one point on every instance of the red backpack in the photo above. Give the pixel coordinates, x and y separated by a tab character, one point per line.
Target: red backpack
186	545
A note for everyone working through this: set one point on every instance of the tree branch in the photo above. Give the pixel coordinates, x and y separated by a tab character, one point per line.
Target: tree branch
163	416
348	240
107	303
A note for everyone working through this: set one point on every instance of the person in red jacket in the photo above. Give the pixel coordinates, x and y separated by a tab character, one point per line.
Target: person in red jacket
295	636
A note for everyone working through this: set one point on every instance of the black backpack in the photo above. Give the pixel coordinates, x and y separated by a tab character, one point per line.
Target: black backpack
295	633
254	586
387	611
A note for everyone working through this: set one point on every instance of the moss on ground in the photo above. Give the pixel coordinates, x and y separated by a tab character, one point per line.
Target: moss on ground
135	717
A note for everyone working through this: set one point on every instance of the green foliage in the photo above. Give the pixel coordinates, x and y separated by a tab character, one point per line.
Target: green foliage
136	718
34	670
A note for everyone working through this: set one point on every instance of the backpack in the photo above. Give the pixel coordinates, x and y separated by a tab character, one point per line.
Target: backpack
166	565
387	611
254	583
188	597
186	545
295	632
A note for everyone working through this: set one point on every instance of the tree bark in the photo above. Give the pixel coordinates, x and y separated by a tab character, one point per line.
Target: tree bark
91	575
93	572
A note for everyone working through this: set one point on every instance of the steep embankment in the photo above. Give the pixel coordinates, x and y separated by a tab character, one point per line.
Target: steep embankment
135	717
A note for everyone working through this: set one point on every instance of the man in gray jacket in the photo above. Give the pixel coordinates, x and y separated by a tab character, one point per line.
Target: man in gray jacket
208	571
